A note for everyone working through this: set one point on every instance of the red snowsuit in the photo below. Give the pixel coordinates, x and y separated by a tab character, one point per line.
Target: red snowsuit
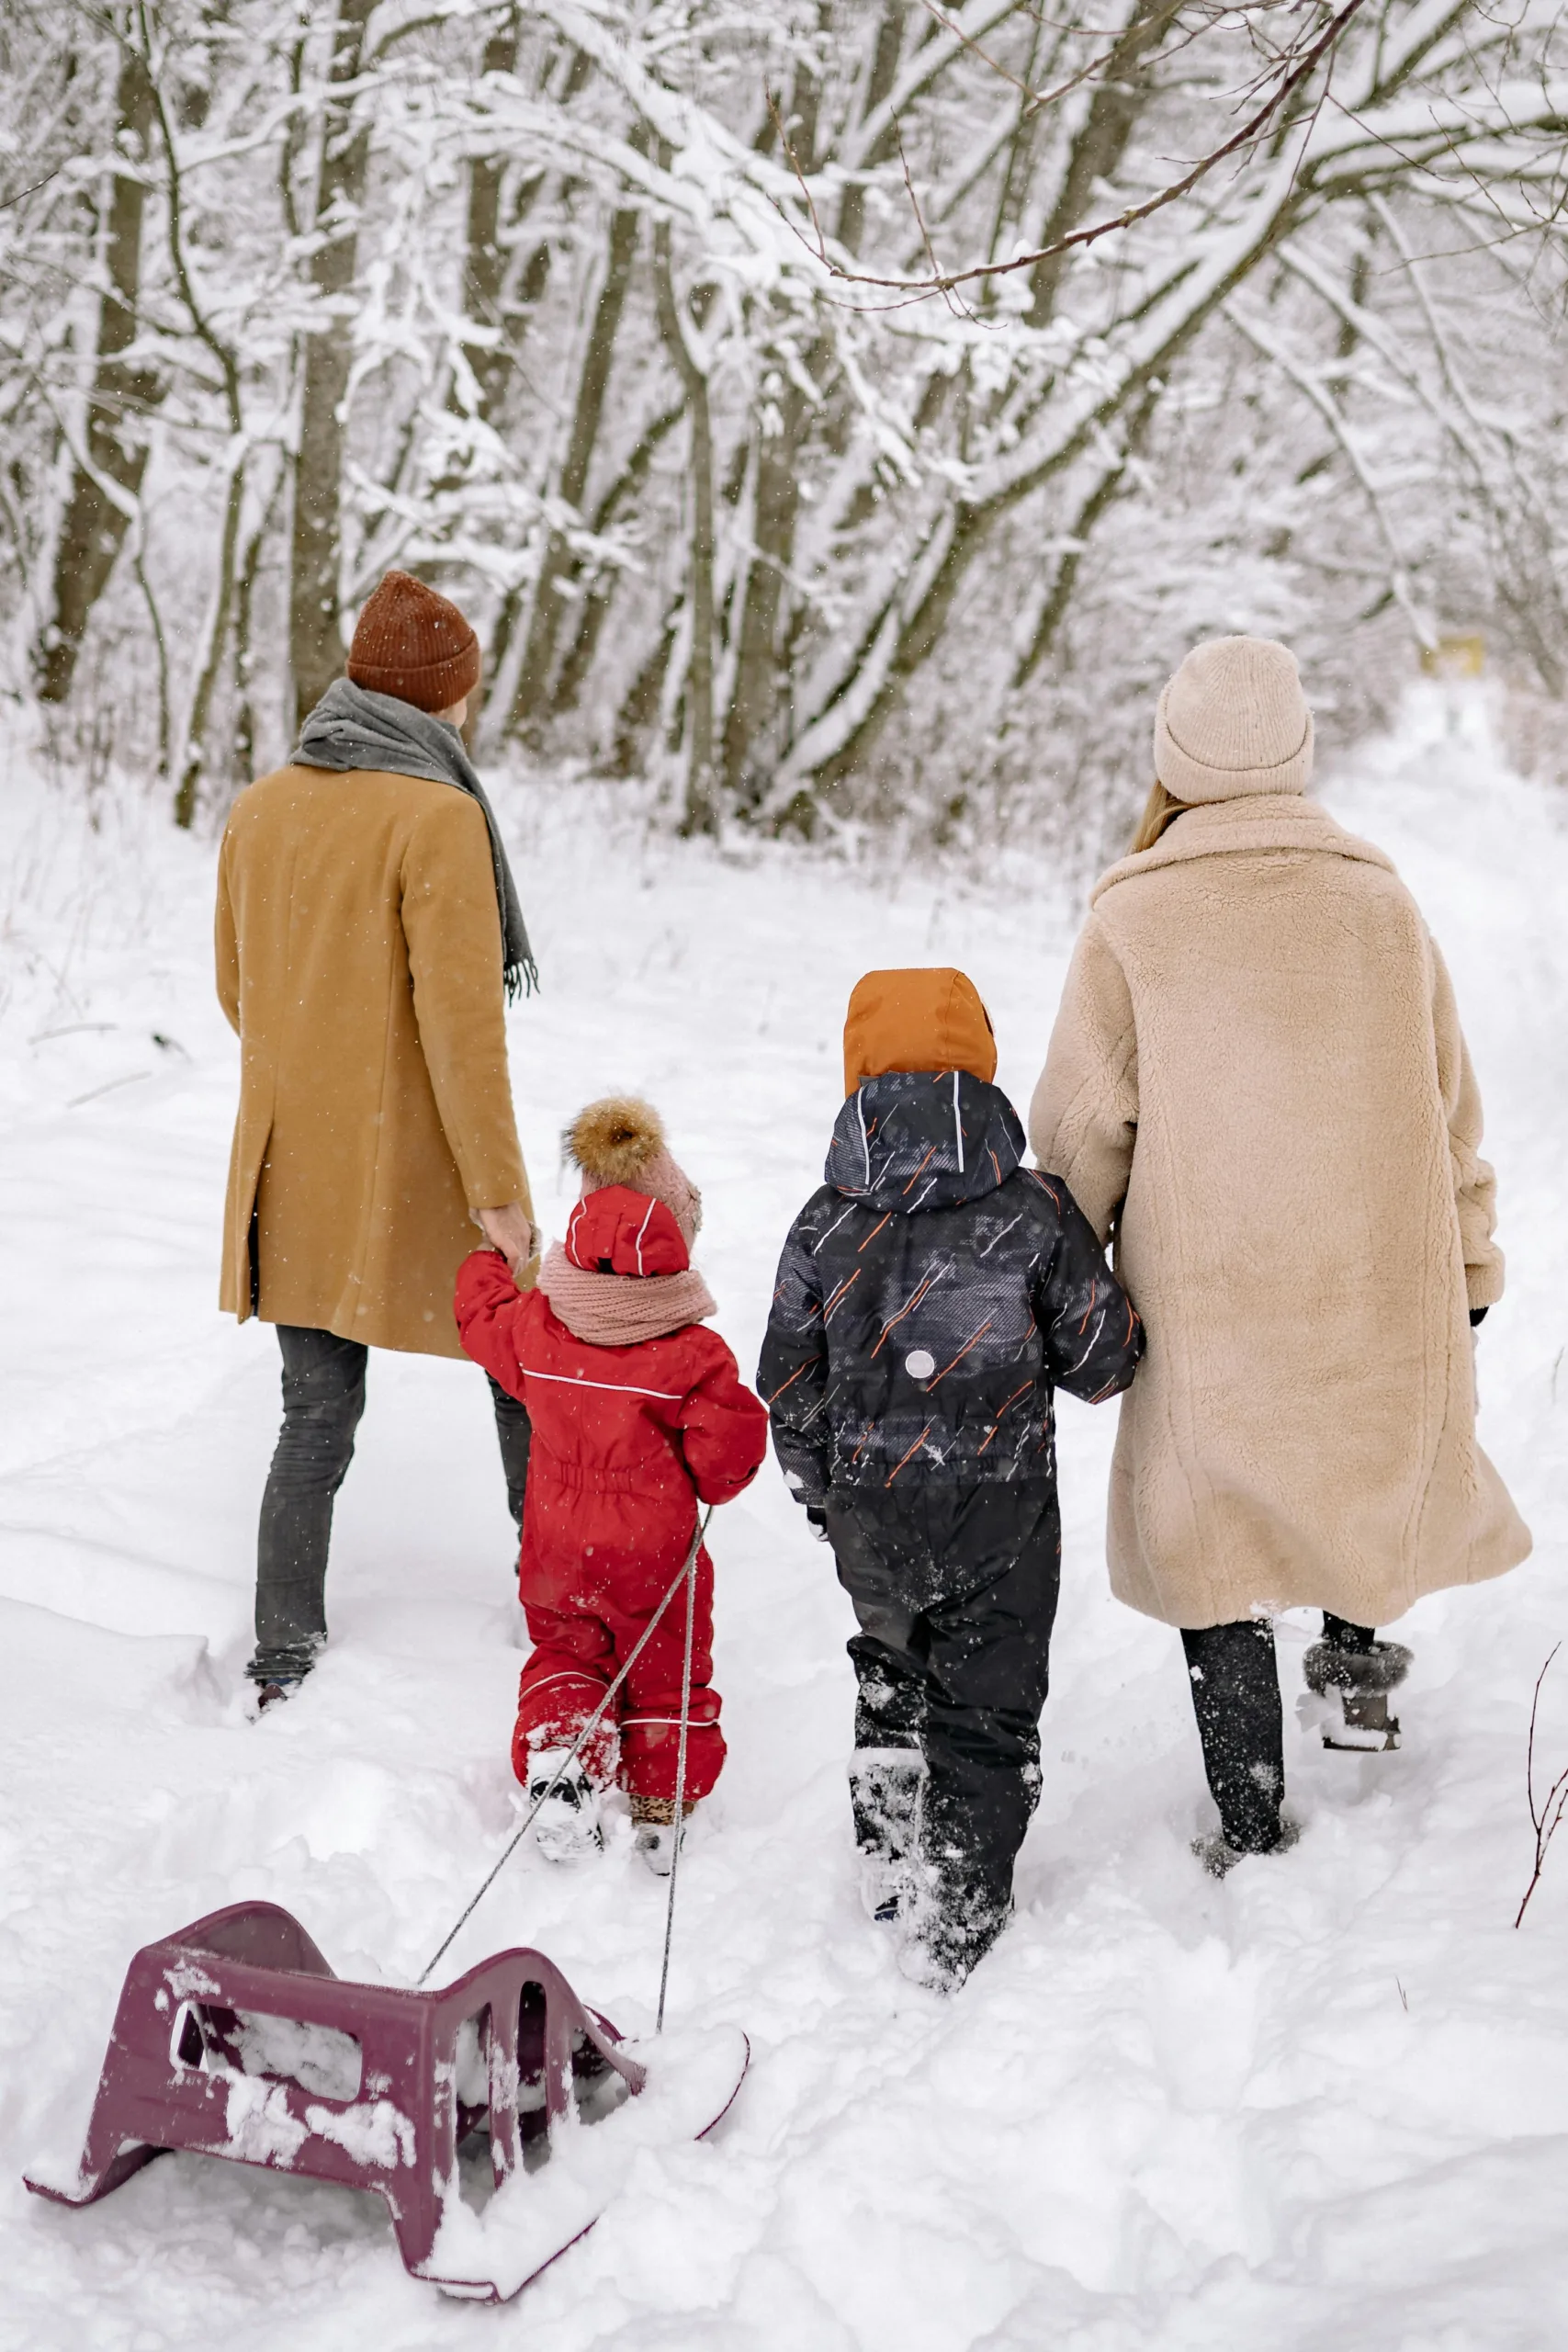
622	1437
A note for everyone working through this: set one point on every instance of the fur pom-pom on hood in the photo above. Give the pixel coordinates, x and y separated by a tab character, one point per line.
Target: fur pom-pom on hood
620	1140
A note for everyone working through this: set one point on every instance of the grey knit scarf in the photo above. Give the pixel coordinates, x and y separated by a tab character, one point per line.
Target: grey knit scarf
352	728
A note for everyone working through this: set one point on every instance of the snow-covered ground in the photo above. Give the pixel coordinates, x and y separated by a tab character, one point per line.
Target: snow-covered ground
1324	2106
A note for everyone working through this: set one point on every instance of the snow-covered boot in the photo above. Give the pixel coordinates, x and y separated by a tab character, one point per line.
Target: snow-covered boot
885	1798
566	1826
275	1690
276	1673
653	1820
1354	1685
1218	1857
947	1933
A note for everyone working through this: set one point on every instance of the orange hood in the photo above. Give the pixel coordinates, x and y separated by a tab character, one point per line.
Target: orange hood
917	1020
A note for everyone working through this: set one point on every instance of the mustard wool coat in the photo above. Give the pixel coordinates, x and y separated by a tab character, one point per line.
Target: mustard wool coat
1257	1061
358	952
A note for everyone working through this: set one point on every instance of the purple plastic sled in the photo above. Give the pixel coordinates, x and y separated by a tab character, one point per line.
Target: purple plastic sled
234	2039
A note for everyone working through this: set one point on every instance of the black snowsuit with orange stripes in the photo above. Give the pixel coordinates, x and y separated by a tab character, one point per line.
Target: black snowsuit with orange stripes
929	1298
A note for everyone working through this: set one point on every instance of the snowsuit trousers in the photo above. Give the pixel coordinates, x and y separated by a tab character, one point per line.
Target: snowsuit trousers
324	1400
579	1645
1236	1697
956	1587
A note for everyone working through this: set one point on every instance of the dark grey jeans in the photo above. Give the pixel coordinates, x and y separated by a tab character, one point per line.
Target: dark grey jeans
324	1397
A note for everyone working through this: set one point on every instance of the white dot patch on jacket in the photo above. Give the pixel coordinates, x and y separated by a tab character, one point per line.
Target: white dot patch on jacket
919	1364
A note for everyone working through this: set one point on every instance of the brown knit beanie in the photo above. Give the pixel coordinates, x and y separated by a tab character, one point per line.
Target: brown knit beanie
1232	720
415	644
620	1140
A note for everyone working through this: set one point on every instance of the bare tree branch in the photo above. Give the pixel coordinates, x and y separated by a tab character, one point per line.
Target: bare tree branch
23	192
1305	63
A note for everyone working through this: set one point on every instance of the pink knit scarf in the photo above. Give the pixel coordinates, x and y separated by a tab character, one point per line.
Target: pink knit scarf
621	1310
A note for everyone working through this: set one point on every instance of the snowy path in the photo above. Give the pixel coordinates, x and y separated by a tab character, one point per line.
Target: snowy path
1324	2106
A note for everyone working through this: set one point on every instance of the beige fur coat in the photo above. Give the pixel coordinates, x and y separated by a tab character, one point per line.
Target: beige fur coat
1257	1061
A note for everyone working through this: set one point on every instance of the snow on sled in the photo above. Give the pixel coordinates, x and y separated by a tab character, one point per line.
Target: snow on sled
233	2037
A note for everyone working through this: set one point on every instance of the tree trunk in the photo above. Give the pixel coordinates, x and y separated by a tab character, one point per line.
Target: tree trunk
1120	95
161	650
881	74
761	697
701	817
194	765
594	607
315	634
486	254
531	692
244	760
95	519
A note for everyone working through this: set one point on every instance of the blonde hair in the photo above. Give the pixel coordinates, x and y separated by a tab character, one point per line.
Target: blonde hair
1161	808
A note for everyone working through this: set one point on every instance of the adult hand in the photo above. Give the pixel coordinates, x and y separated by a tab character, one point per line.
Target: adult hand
511	1231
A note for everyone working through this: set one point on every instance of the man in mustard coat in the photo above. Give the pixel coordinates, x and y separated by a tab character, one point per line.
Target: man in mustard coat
367	935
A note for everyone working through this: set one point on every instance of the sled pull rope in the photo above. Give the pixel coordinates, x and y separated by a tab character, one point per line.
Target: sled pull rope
688	1568
690	1575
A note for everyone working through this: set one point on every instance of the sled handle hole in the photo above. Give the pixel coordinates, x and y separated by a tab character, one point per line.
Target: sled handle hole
319	2058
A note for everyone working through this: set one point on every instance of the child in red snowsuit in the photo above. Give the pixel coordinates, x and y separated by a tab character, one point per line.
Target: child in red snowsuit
638	1414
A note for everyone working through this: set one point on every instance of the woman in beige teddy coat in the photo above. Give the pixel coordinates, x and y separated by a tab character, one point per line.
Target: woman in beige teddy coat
1257	1079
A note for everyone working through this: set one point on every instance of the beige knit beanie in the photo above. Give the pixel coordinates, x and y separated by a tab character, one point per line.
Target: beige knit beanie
1232	720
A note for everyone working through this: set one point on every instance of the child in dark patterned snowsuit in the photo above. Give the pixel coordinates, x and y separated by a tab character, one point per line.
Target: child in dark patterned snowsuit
929	1298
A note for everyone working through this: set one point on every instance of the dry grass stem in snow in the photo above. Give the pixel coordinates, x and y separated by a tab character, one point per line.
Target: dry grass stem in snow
1545	1817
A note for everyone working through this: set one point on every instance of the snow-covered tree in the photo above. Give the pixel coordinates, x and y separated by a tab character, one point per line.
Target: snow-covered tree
837	407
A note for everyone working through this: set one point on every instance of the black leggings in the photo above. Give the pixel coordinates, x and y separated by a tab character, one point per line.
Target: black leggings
1235	1696
324	1397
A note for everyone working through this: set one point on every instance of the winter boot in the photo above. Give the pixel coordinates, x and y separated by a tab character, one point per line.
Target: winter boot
275	1690
566	1826
278	1673
885	1798
948	1931
1354	1685
1218	1857
653	1820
